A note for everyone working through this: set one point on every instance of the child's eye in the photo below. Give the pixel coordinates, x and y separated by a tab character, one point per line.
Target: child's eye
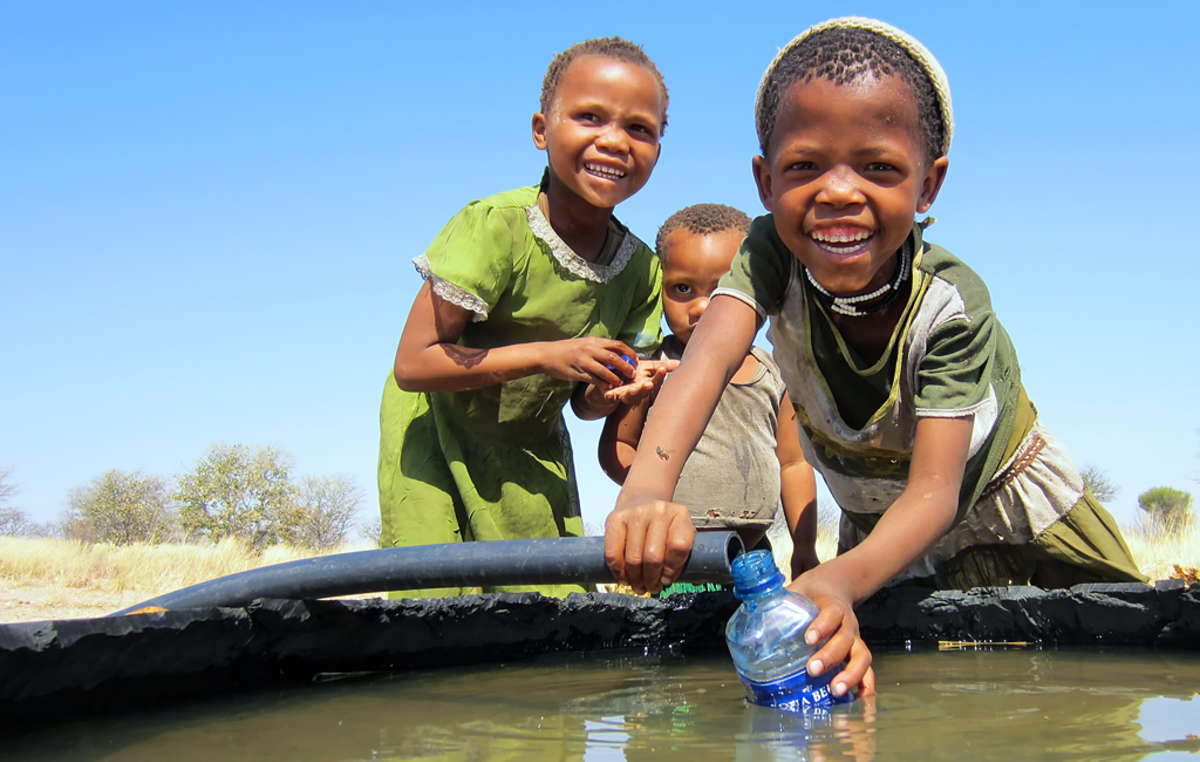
642	132
802	166
588	116
682	289
880	166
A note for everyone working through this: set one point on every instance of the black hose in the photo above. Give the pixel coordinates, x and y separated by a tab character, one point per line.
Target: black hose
467	564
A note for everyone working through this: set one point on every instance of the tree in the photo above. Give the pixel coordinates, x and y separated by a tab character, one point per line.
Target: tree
1103	488
120	508
234	492
371	529
1169	510
14	523
322	514
12	520
7	488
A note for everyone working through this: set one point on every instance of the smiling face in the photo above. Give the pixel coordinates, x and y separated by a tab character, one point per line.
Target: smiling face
601	133
844	175
694	264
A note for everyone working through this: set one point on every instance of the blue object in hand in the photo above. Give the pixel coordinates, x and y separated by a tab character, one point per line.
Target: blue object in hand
766	639
631	360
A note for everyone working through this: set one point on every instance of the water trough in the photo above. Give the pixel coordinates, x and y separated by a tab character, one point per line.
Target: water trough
56	669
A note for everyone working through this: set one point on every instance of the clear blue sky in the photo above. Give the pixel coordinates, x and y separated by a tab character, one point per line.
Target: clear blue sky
208	210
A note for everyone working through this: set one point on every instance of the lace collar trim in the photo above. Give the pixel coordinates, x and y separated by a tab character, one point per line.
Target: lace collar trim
574	263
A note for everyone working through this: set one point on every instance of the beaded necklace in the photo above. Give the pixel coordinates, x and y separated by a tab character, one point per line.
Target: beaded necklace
865	304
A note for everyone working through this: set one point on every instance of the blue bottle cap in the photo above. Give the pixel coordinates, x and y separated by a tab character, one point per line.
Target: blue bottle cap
755	573
631	360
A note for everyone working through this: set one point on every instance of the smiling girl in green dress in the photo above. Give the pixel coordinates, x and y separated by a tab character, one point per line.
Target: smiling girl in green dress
530	299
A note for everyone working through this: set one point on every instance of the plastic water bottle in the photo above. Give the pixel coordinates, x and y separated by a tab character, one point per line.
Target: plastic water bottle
766	639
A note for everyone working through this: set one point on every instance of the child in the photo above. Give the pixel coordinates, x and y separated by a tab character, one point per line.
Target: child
906	386
749	456
530	298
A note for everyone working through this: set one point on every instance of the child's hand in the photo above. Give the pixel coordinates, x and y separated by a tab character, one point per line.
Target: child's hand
590	359
837	622
647	544
647	379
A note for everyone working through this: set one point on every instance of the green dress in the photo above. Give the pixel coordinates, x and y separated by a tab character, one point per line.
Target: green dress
495	463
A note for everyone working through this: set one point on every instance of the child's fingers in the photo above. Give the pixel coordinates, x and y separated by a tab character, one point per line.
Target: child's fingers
669	539
614	547
618	346
628	554
681	536
630	392
653	553
647	546
833	653
856	673
866	686
827	622
607	371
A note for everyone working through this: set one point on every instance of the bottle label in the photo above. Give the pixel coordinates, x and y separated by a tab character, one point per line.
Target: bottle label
795	692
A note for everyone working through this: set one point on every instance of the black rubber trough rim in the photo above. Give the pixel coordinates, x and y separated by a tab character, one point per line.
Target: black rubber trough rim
565	560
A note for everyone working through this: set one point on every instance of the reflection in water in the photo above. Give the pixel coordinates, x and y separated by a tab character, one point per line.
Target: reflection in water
1023	703
1170	721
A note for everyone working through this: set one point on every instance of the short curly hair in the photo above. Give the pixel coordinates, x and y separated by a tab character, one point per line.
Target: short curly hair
607	47
841	55
701	219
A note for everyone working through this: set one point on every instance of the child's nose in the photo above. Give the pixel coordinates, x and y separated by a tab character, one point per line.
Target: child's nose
699	306
613	138
839	187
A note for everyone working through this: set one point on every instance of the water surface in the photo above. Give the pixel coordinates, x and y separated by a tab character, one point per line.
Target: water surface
965	704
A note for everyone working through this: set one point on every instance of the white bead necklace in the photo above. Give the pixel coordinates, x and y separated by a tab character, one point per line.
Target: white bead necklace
861	304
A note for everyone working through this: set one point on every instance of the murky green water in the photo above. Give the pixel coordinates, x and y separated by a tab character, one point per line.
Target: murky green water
964	705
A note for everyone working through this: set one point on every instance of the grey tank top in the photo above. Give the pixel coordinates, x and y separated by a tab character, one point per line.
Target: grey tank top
731	479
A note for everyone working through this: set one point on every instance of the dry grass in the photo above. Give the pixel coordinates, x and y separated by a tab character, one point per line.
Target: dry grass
1159	555
116	569
1163	555
48	578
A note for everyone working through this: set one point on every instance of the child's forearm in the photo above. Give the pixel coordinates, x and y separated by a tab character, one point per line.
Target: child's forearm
618	441
686	401
667	440
452	367
615	460
799	492
647	538
916	520
429	357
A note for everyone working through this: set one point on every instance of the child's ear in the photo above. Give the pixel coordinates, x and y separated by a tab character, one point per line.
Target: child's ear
932	183
539	131
762	178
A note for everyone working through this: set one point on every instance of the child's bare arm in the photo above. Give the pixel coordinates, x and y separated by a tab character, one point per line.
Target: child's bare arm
647	538
619	440
430	359
922	513
798	488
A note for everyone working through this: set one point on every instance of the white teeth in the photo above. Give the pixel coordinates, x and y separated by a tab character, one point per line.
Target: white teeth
616	174
828	238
